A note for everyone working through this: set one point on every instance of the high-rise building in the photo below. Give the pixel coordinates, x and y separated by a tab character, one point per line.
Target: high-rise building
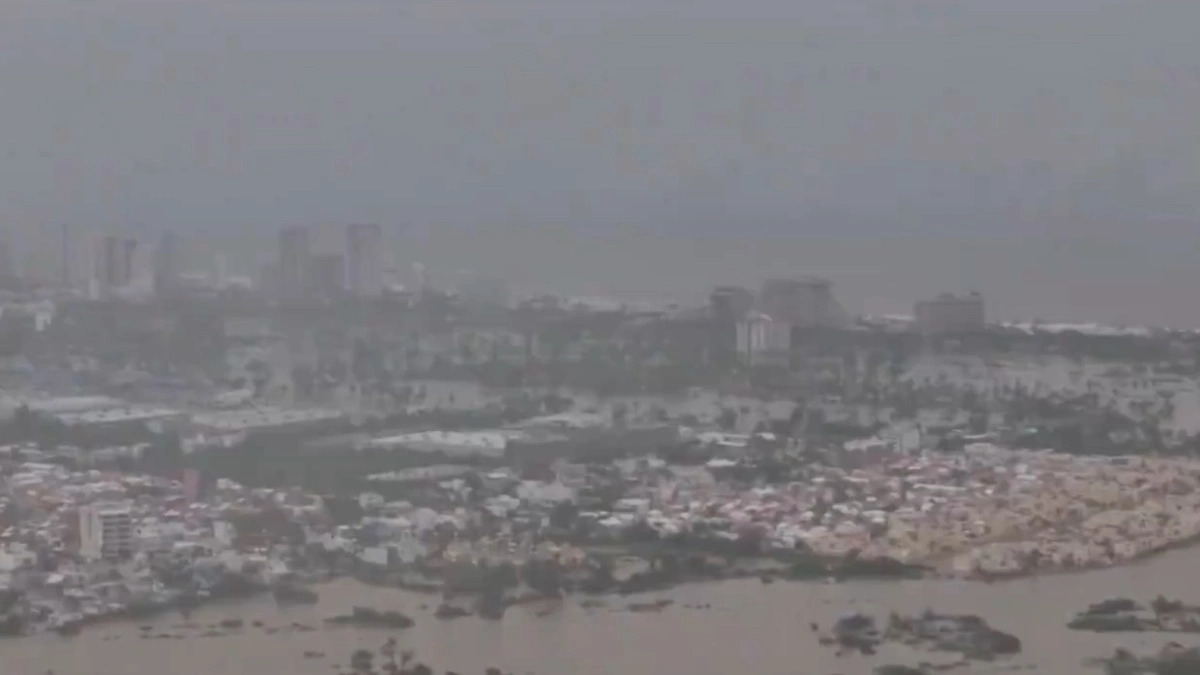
166	264
730	303
950	314
105	532
295	258
126	268
727	305
364	259
805	302
763	341
328	277
112	264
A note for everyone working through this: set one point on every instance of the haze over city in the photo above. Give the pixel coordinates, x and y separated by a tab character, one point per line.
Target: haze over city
1045	153
685	337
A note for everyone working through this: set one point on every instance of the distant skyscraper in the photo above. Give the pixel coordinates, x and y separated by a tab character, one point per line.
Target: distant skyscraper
806	302
112	265
128	254
364	259
295	258
950	314
730	304
727	306
166	264
328	278
762	341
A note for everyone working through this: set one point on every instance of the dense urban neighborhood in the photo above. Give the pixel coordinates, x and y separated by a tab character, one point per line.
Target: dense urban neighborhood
204	442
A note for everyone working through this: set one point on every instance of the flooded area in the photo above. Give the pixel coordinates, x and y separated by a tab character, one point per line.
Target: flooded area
765	629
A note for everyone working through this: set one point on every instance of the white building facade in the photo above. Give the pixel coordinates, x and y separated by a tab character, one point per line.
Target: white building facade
106	532
762	341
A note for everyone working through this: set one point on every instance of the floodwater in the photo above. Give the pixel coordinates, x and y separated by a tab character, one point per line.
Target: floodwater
751	627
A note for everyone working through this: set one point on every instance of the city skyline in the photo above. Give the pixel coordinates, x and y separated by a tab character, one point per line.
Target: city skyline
504	333
202	256
999	148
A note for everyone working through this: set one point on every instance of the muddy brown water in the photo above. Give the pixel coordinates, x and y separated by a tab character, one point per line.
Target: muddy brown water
749	628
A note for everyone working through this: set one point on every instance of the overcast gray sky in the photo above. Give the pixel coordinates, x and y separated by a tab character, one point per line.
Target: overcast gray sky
1044	152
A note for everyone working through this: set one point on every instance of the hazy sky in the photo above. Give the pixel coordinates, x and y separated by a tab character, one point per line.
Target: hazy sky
1044	152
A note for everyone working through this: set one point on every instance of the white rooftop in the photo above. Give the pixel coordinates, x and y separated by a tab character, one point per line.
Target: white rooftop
116	415
480	442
